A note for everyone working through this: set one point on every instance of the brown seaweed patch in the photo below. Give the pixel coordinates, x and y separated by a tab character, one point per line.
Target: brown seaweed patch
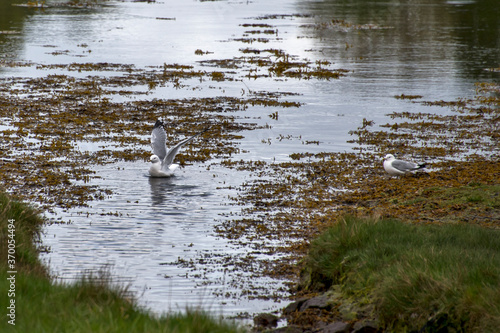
266	31
256	25
278	64
343	25
85	67
70	4
403	96
48	116
282	16
251	40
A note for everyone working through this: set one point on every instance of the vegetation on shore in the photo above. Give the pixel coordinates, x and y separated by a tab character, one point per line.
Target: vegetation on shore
410	276
92	304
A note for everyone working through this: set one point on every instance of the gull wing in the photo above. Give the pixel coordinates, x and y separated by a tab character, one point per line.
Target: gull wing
169	159
159	140
404	166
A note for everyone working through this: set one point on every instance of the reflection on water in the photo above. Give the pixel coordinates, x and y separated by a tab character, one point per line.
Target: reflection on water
164	189
412	41
154	231
160	187
12	21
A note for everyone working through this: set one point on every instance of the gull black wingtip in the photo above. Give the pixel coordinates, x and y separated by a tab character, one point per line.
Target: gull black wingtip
206	129
422	165
158	123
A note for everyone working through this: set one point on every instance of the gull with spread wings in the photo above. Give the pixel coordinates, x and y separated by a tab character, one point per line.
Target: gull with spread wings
162	159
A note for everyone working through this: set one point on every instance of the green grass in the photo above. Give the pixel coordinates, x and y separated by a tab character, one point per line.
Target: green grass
415	275
28	225
92	304
486	195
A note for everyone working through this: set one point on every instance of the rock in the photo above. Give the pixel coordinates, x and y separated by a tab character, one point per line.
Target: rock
319	326
320	302
337	327
288	329
265	320
295	306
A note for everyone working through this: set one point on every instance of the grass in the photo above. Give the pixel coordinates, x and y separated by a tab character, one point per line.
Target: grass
416	276
92	304
475	202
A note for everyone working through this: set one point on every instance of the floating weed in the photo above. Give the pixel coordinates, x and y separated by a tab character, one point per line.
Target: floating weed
342	25
282	16
278	64
473	126
267	31
410	97
256	25
48	116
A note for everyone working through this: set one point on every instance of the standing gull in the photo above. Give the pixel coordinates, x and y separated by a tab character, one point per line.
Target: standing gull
162	160
396	167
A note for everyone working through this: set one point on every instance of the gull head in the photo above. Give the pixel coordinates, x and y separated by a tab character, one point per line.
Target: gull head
154	159
389	157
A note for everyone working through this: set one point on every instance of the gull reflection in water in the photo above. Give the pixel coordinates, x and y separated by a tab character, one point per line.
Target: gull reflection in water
167	192
161	188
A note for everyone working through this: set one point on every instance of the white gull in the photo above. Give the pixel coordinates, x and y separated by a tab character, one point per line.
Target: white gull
396	167
162	160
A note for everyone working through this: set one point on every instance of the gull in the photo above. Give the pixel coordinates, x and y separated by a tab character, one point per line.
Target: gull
396	167
162	160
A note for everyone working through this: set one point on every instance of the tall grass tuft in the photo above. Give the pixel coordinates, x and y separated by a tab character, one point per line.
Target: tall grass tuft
28	226
417	276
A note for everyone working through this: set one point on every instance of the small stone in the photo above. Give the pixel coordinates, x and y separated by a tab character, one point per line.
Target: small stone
265	320
319	326
337	327
288	329
295	306
320	302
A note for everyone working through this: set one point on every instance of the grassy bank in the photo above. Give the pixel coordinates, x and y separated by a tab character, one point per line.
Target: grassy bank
93	304
411	277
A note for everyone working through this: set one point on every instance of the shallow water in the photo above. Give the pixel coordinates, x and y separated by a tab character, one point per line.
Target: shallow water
155	232
143	230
